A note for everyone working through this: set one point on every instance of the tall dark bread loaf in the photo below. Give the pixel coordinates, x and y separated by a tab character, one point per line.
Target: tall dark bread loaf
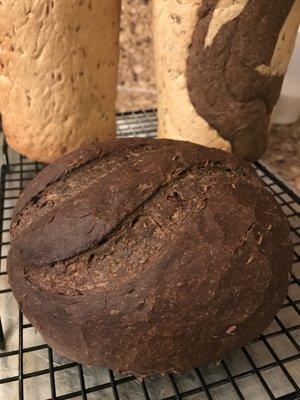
148	255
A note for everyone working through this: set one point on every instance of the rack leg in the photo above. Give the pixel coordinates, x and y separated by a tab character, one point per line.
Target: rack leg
2	340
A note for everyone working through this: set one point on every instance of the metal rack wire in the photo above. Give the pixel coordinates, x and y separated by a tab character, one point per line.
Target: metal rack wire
269	368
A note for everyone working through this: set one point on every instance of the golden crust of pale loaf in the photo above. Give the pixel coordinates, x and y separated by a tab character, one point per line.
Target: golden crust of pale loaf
58	74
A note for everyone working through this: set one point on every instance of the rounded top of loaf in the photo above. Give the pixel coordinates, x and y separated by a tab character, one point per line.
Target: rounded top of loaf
146	241
78	201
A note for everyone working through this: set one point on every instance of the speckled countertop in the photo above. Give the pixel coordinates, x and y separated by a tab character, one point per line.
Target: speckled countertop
136	87
283	155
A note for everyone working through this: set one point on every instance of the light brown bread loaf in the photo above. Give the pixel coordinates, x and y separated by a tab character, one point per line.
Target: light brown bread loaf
58	69
219	68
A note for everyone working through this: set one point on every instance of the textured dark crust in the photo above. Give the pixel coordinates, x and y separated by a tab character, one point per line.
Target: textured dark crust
224	86
66	164
204	249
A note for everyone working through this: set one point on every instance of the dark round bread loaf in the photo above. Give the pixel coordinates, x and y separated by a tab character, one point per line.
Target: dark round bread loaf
148	255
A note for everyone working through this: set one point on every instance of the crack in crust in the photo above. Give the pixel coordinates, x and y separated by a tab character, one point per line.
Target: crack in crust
137	238
64	187
78	212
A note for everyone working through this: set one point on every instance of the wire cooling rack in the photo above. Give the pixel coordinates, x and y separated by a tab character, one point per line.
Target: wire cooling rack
269	368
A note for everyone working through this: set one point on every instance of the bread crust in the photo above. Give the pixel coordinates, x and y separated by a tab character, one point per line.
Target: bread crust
179	256
58	80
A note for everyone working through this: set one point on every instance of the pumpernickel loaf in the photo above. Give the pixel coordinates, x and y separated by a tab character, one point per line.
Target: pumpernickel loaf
148	255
